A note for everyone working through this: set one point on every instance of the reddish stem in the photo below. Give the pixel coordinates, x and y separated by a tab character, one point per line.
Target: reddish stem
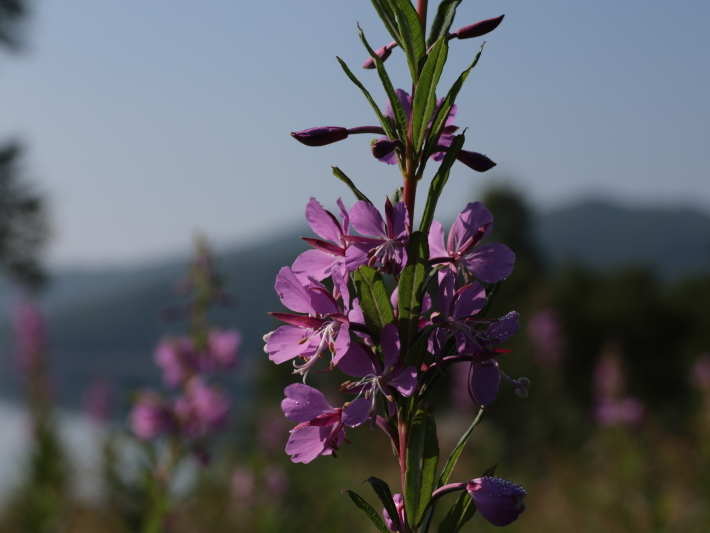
421	9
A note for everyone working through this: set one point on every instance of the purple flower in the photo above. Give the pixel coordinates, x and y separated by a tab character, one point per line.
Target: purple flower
201	409
222	349
498	500
546	337
478	29
324	326
701	372
30	331
322	428
177	358
320	136
489	263
361	362
444	140
328	257
151	416
386	248
399	505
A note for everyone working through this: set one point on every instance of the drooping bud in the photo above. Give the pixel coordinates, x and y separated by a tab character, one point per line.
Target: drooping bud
383	53
498	500
478	29
476	161
320	136
382	147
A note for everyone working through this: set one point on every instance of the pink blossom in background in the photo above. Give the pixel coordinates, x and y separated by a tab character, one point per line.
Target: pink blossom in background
546	336
242	486
30	330
222	349
177	358
624	411
151	416
612	405
700	376
276	481
201	409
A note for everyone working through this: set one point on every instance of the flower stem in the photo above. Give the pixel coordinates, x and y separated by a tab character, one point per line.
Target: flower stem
421	9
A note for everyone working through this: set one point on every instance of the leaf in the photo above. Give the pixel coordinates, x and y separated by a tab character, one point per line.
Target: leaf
490	471
439	181
451	461
410	33
422	457
461	512
443	20
342	177
384	493
410	294
442	113
374	300
369	511
425	96
386	124
400	115
387	15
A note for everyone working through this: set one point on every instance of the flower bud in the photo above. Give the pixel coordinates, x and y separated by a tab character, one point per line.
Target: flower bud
383	53
383	147
476	161
479	28
320	136
498	500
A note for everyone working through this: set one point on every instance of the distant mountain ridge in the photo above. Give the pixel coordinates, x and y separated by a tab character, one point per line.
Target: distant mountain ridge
107	322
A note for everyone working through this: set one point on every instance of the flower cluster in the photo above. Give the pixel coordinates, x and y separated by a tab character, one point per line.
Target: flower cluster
391	306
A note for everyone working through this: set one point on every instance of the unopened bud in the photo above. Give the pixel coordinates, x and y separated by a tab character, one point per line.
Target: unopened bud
383	53
383	147
479	28
476	161
320	136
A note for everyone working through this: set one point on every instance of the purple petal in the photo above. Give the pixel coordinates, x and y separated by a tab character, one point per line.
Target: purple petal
304	403
356	413
483	382
357	362
498	500
313	263
445	295
367	220
292	293
491	262
342	343
401	221
389	158
306	443
472	218
436	240
286	343
505	328
470	301
406	382
405	100
356	255
322	222
389	338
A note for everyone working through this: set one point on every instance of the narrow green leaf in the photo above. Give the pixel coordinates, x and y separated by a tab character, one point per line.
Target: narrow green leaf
411	34
425	96
374	300
384	122
382	489
400	115
451	461
442	113
369	511
422	456
342	177
490	471
409	293
384	10
443	20
461	512
439	181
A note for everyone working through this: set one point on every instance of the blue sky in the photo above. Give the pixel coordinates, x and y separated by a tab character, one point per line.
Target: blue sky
146	122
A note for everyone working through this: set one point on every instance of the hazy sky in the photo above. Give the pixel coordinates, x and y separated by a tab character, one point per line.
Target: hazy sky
146	121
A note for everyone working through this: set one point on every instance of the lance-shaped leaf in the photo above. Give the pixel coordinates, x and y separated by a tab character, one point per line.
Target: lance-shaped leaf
369	511
342	177
410	33
374	300
451	461
410	291
439	181
461	512
442	113
443	20
382	489
400	115
425	96
384	122
384	10
422	457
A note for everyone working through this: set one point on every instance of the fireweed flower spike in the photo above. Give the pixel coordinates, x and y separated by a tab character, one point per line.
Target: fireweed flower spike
321	430
477	29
